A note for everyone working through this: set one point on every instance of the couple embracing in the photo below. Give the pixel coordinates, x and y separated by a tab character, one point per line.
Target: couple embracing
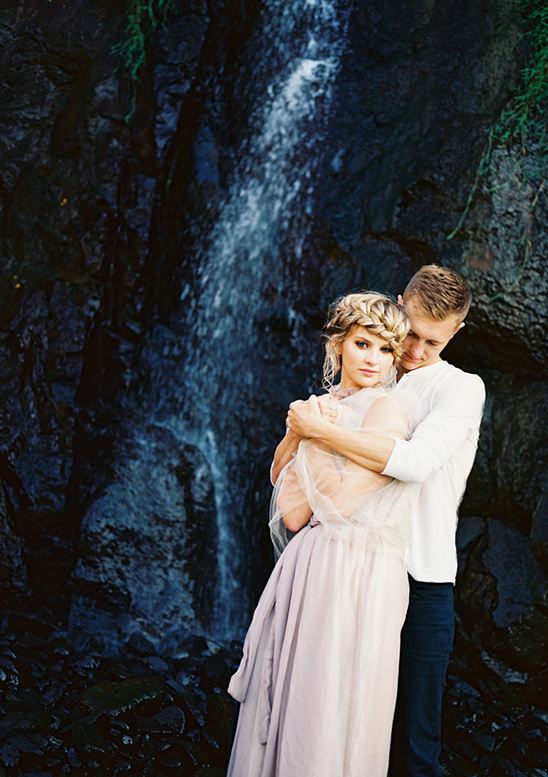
344	663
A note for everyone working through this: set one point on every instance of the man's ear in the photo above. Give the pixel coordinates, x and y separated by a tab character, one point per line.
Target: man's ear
459	327
400	300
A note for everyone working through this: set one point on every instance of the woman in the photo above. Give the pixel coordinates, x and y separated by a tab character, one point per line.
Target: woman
318	678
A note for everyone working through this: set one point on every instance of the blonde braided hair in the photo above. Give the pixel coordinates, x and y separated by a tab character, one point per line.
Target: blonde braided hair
378	313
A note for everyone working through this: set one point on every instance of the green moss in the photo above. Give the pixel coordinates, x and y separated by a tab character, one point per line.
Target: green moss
523	120
142	18
523	117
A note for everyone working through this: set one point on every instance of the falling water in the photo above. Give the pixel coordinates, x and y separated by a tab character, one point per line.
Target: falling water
205	370
269	203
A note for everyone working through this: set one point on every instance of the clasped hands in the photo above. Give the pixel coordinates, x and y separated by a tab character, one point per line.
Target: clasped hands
306	417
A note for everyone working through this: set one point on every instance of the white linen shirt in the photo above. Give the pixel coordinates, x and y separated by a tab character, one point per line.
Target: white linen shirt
439	455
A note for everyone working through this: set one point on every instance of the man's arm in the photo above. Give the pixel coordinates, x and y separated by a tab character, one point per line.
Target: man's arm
455	418
456	412
367	449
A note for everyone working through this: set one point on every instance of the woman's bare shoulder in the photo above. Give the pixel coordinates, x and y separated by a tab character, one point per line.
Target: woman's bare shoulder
387	413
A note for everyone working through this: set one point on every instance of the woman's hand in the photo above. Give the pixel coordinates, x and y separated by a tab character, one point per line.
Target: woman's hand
328	407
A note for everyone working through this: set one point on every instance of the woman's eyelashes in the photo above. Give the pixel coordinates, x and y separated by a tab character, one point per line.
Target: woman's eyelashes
364	344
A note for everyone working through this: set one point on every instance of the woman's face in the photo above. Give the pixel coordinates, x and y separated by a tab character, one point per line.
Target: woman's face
366	359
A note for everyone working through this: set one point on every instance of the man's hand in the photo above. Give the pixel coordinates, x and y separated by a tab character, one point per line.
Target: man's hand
306	417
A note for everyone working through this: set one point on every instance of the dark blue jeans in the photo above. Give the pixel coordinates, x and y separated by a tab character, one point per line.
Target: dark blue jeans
426	644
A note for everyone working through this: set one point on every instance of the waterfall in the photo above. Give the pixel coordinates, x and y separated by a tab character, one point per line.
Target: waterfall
207	368
268	204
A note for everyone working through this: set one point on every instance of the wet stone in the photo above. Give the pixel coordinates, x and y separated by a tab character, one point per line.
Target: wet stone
122	767
87	738
16	721
8	672
119	697
157	664
468	750
173	757
183	679
464	767
54	692
96	717
36	774
30	743
153	770
140	645
73	758
486	741
62	647
119	725
151	725
173	717
10	755
147	748
54	743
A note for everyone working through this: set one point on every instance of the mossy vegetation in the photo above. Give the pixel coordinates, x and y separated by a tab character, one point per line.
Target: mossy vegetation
143	17
523	118
523	123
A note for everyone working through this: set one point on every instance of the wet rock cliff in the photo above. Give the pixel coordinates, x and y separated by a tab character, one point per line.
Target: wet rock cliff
168	246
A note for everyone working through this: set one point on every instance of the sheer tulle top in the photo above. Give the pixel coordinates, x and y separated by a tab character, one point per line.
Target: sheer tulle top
352	503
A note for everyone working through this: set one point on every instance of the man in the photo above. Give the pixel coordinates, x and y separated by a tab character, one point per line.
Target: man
439	455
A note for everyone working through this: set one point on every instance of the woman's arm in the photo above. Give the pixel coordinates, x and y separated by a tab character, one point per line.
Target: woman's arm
292	502
283	454
341	484
286	449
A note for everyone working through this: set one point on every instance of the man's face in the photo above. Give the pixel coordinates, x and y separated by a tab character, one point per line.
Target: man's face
426	339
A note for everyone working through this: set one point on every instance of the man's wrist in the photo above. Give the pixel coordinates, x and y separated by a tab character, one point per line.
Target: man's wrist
318	431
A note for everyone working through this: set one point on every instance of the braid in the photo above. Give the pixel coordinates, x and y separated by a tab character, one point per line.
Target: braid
377	313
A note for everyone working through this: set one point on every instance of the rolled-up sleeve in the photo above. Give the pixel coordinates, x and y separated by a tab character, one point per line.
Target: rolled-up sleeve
454	418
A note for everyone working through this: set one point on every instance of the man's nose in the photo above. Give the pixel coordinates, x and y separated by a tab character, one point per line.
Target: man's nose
417	348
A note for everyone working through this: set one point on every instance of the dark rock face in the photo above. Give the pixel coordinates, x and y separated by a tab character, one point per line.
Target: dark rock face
77	190
145	380
148	544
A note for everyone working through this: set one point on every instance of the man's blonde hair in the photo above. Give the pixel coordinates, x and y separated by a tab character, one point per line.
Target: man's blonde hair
439	292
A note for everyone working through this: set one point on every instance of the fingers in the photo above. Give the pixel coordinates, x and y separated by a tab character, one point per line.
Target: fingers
329	412
328	407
